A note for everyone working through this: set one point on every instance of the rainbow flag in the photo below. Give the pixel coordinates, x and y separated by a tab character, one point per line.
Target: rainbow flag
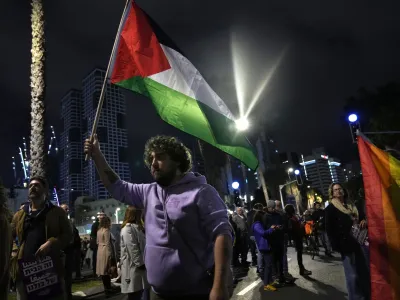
381	175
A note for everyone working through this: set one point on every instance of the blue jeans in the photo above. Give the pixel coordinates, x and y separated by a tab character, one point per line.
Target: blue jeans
267	261
356	269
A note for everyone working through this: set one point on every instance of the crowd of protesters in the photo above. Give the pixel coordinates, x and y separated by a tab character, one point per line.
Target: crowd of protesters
192	243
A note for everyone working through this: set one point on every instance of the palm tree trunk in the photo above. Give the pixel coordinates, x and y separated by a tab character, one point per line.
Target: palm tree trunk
37	145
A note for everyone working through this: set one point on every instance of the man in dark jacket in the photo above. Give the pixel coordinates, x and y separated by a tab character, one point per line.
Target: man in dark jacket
242	244
285	221
276	240
318	216
42	230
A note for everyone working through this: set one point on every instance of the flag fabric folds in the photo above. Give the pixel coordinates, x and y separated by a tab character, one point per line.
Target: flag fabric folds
146	61
381	175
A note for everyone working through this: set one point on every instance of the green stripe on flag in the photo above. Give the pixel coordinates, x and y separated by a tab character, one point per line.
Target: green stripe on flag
194	118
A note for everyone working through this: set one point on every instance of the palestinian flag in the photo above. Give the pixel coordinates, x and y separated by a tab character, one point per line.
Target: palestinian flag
146	61
381	175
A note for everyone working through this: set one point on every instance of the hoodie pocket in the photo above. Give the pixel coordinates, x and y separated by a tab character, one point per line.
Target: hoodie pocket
165	269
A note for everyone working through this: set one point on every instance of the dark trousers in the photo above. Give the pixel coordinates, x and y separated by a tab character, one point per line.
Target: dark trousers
154	296
253	250
299	249
241	249
77	262
94	261
135	295
267	261
69	267
106	282
277	263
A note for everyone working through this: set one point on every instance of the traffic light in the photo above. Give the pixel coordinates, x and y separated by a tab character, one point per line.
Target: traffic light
354	127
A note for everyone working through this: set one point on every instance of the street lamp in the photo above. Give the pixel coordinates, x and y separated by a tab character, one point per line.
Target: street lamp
297	172
290	170
242	124
353	118
235	185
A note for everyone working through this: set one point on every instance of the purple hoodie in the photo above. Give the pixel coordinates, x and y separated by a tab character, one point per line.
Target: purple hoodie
200	215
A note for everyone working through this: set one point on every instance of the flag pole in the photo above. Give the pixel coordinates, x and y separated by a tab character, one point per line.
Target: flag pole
103	88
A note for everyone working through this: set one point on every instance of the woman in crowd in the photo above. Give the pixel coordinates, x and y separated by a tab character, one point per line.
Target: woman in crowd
105	253
297	232
341	215
260	235
133	271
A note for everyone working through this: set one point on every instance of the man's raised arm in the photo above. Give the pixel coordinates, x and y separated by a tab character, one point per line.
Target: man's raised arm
125	192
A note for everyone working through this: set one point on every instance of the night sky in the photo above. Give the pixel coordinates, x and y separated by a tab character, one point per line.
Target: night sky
333	48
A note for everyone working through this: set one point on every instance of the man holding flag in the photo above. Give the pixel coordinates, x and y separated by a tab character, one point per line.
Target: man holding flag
188	236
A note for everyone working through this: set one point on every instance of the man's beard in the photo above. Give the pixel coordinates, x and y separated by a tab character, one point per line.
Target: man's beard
164	178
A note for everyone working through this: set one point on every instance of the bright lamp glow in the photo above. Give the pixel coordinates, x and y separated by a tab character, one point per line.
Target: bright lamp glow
242	124
353	118
296	172
235	185
290	170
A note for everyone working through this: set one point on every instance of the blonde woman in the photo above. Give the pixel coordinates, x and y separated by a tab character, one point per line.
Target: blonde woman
105	253
340	217
133	271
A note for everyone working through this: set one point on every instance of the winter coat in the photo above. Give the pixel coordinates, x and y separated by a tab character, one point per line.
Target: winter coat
250	217
133	271
260	234
295	228
104	251
276	238
338	228
58	231
241	223
318	216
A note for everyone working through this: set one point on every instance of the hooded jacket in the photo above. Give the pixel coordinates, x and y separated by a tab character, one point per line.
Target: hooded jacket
261	235
187	214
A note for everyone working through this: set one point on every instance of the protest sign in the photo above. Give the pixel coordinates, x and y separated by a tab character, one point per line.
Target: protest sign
40	278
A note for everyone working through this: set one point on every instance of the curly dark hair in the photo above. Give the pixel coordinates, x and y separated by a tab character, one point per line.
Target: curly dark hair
174	148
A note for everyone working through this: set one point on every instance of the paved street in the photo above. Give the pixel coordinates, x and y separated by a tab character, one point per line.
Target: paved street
327	282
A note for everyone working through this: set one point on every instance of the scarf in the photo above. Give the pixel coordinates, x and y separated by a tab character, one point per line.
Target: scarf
350	210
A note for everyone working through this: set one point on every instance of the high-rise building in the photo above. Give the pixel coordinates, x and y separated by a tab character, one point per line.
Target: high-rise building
111	131
77	176
352	170
321	170
71	148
